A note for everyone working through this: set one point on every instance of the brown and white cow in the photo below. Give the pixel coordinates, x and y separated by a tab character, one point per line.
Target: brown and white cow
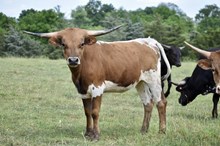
211	63
99	67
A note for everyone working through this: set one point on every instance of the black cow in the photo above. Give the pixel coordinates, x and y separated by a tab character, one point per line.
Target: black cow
200	82
173	54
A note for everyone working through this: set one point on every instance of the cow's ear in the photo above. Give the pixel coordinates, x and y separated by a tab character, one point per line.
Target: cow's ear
56	41
53	41
89	40
205	64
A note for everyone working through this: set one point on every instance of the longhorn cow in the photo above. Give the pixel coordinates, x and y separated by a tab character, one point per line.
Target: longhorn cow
99	67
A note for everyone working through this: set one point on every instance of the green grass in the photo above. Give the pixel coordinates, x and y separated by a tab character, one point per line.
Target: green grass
39	106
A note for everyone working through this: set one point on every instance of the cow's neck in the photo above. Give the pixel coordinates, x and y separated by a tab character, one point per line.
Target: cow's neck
75	73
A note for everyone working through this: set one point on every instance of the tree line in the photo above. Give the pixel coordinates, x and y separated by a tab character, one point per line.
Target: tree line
167	23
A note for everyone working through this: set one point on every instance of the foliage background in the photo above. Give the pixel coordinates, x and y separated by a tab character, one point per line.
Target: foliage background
167	23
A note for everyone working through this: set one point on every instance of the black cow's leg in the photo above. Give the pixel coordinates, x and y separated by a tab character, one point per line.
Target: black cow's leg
96	105
87	103
169	86
215	100
161	107
147	116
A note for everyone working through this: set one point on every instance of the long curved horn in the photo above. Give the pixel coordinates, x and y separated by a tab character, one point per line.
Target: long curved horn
102	32
45	35
203	52
166	46
176	84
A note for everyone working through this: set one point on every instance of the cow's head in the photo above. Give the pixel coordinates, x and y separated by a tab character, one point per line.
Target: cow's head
200	82
211	63
73	41
173	54
187	94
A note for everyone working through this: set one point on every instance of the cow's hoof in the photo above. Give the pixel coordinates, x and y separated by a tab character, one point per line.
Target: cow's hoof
88	135
162	131
95	136
143	130
91	135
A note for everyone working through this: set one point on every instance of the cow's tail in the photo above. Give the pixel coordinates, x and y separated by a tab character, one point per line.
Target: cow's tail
165	60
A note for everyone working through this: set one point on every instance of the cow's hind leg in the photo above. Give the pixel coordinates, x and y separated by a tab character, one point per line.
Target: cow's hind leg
161	107
92	108
145	96
147	116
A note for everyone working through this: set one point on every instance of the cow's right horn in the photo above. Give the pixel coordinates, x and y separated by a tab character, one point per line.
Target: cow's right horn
45	35
203	52
102	32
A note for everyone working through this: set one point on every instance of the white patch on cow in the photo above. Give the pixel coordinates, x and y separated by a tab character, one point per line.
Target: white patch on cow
96	90
100	42
113	87
150	87
152	43
107	86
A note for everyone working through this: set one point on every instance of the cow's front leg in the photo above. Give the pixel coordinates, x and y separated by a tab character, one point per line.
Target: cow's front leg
215	100
161	107
92	108
96	104
87	103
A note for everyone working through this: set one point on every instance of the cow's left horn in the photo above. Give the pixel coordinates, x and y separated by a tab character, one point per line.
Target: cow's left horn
176	84
45	35
102	32
203	52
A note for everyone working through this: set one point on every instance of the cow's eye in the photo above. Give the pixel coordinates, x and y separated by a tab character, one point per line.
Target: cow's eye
62	44
81	45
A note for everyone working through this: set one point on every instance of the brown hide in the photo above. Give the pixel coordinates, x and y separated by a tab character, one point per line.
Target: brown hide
119	62
212	63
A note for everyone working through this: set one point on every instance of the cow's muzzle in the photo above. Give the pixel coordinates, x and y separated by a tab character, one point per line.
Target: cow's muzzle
178	64
73	61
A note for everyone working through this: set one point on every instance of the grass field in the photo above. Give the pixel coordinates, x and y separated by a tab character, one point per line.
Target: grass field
39	106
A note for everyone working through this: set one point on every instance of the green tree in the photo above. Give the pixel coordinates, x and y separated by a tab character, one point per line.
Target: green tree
80	17
17	44
207	31
40	21
5	23
96	11
43	21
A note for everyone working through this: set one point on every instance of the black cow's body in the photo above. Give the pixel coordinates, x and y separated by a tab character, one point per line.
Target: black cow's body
200	82
173	55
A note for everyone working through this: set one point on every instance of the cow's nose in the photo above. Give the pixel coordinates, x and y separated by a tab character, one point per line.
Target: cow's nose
73	61
178	64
